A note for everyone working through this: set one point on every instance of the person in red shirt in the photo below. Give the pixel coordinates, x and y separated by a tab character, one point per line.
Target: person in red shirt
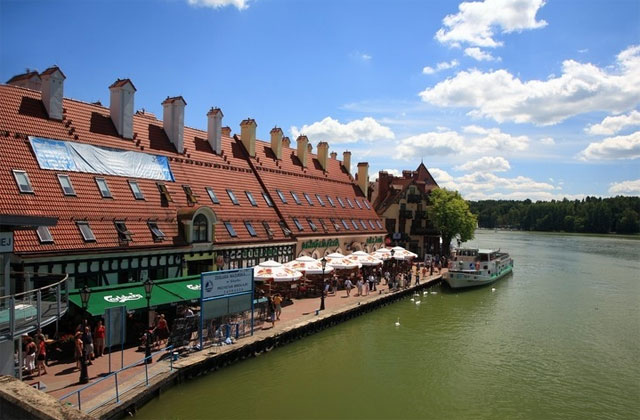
42	354
98	336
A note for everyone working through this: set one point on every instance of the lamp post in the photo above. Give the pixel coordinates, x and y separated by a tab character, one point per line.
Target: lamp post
85	294
148	286
323	261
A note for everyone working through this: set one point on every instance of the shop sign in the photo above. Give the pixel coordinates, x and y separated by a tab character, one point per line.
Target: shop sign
6	241
374	240
122	298
229	282
320	243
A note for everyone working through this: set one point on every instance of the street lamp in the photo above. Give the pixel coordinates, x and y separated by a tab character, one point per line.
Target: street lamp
323	262
148	286
85	294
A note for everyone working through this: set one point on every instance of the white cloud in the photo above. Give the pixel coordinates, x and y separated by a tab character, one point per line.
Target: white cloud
492	139
332	131
619	147
486	164
441	66
580	89
476	22
428	144
625	188
443	179
548	141
612	125
216	4
361	56
478	54
486	181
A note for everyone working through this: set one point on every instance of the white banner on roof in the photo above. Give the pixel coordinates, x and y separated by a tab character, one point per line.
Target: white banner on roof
79	157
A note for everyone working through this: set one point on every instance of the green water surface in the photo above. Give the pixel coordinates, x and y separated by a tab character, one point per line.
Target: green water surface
557	339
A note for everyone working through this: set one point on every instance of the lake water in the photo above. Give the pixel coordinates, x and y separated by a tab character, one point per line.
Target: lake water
558	339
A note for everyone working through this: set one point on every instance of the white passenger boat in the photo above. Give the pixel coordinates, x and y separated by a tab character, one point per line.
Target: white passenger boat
471	267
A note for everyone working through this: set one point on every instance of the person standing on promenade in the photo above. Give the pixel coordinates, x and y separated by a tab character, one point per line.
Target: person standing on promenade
277	301
162	330
348	286
87	341
334	284
98	337
272	311
30	359
359	286
79	350
42	354
327	286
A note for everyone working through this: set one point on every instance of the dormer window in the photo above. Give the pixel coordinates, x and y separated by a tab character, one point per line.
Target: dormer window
156	232
22	179
350	203
230	229
123	233
85	230
65	183
191	197
103	187
164	192
251	199
44	235
212	195
267	229
319	200
232	197
297	223
295	198
331	201
200	229
341	202
267	199
285	229
282	197
312	225
250	229
306	196
135	189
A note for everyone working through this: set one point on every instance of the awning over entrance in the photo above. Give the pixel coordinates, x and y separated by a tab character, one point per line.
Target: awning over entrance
132	295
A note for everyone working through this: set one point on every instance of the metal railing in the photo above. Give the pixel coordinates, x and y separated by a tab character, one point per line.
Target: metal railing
25	312
112	386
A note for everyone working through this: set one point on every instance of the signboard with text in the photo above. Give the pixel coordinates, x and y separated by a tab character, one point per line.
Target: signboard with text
6	242
225	283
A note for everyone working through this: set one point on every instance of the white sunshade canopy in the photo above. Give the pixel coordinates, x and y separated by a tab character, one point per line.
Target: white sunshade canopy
308	265
383	254
399	253
364	258
273	271
341	262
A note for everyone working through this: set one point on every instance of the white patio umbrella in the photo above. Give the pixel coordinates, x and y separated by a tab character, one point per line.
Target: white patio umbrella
273	271
364	258
340	262
308	265
383	254
399	253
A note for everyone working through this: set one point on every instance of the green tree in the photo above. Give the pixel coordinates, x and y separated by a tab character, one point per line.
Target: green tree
451	215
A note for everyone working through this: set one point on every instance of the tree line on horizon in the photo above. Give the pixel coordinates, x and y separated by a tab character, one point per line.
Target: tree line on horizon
590	215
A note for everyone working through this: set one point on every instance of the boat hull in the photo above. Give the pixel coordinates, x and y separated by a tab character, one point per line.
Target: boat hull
460	280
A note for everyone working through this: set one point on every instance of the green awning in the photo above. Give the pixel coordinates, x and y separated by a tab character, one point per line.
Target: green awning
132	295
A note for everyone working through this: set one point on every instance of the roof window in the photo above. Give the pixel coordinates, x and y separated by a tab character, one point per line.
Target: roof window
65	183
346	226
233	198
251	199
366	204
355	224
372	225
267	229
250	229
319	200
379	224
341	202
164	192
191	197
212	195
295	198
156	232
230	229
44	236
282	197
312	225
267	199
105	192
86	231
364	225
297	223
22	179
123	233
350	203
331	201
324	225
135	189
336	226
358	203
306	196
285	229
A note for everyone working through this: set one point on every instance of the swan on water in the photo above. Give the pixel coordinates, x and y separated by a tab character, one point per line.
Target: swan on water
493	289
412	299
417	302
398	322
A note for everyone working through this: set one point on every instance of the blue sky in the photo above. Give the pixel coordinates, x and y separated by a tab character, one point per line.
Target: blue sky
501	98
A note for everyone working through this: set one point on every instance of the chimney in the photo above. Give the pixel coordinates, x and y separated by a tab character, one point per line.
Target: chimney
29	79
406	174
334	155
173	121
276	142
214	129
303	142
286	142
309	148
346	161
121	107
226	131
383	185
53	91
248	135
323	151
363	177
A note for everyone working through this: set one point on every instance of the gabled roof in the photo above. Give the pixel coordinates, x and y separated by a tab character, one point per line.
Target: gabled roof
398	185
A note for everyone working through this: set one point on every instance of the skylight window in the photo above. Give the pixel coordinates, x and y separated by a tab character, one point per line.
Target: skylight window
295	198
250	229
306	196
156	232
364	225
341	202
358	203
346	226
233	198
230	229
350	203
123	233
267	229
366	204
251	199
22	179
297	223
65	183
135	189
212	195
44	236
86	231
267	199
324	225
282	197
379	224
164	192
319	200
336	226
372	225
331	201
285	229
191	197
312	225
105	192
355	224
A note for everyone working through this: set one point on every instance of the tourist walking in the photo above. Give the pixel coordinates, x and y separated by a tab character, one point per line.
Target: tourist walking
348	286
272	311
98	337
372	282
359	286
277	301
79	350
42	354
334	285
30	355
87	341
162	330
